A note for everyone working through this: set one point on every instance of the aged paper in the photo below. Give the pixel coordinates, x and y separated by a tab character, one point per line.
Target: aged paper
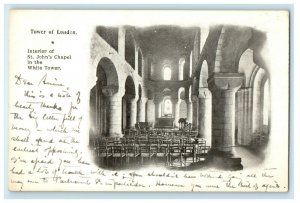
53	59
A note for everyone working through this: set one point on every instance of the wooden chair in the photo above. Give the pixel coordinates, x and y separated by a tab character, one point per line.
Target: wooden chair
146	151
188	151
165	141
162	152
103	153
117	153
142	141
143	133
201	142
175	153
154	140
175	141
129	141
202	153
131	151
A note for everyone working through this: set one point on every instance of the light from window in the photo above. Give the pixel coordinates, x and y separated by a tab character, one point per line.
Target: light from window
266	104
181	67
167	73
167	107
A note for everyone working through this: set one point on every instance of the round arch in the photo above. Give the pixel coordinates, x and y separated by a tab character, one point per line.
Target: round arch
167	106
106	77
181	93
167	72
128	102
247	66
166	92
182	103
130	87
257	110
106	67
203	75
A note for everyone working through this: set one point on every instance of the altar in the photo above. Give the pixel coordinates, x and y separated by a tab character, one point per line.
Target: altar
164	122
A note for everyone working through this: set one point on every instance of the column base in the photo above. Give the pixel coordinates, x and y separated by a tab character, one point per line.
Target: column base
225	160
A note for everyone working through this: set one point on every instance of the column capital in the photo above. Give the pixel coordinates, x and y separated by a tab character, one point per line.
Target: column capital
109	90
143	99
225	81
204	93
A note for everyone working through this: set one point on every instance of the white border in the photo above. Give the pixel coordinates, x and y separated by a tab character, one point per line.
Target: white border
294	80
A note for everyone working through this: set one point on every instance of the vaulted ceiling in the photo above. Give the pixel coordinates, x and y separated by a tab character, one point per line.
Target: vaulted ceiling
166	42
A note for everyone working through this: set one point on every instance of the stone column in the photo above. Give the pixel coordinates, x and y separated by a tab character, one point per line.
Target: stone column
157	107
133	108
141	109
189	110
124	114
195	102
239	119
250	105
204	115
244	105
223	87
150	111
247	128
157	103
175	102
114	110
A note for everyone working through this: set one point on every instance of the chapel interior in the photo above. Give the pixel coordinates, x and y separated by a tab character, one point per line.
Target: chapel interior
180	97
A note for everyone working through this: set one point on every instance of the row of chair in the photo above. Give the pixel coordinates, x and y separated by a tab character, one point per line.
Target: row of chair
146	140
159	132
166	151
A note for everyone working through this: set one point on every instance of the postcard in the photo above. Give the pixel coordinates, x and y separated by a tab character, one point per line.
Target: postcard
148	100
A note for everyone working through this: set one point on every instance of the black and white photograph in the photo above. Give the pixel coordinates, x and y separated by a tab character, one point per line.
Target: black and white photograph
182	97
148	100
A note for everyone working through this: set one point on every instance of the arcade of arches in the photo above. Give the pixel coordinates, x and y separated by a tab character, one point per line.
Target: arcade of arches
215	78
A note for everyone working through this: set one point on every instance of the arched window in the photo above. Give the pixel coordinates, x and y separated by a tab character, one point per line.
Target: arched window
167	107
181	67
203	75
167	73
